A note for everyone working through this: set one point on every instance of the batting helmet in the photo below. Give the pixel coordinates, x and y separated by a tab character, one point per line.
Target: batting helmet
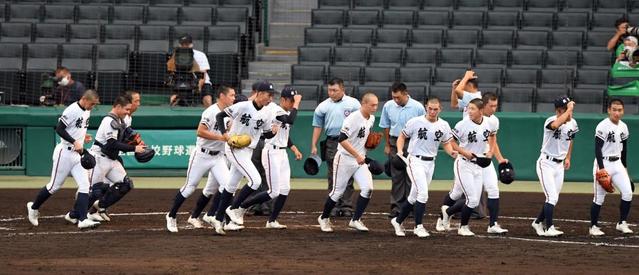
87	161
312	165
374	166
145	156
506	173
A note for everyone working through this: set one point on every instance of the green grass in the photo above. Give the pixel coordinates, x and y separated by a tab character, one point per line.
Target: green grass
299	184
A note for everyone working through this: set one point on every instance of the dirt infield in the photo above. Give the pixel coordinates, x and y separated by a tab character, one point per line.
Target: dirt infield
136	241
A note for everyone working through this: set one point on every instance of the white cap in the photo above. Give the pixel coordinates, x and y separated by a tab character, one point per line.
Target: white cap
631	38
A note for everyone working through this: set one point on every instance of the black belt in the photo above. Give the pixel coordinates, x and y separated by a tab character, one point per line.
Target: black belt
278	148
209	152
554	159
611	158
425	158
469	160
332	137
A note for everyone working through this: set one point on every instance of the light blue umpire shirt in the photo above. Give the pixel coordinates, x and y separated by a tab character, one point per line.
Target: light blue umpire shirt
330	115
395	116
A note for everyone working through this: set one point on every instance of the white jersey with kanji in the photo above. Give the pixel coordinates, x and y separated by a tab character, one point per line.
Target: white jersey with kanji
493	121
76	119
613	135
356	127
208	119
425	136
557	142
467	97
248	120
281	138
472	136
104	133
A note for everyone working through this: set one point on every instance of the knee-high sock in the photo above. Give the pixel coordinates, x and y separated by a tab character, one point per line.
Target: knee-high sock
404	211
329	204
465	214
420	209
624	210
225	201
493	210
456	207
177	202
541	217
214	204
199	206
257	199
239	199
548	211
360	207
80	207
594	213
447	201
277	207
42	196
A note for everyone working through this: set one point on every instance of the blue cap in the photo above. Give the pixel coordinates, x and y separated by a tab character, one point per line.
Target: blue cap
265	86
562	101
288	92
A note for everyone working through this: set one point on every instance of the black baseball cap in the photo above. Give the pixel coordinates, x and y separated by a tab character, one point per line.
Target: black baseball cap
288	92
265	86
562	101
185	39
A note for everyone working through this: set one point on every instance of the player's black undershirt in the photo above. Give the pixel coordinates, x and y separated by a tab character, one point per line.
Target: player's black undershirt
60	129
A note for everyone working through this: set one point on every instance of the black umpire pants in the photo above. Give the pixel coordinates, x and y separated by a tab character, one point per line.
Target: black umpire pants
256	158
346	202
400	188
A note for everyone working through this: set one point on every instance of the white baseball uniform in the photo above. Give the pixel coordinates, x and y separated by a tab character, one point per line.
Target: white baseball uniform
472	137
465	100
554	149
489	174
275	158
105	167
612	135
356	127
246	120
207	156
425	137
65	160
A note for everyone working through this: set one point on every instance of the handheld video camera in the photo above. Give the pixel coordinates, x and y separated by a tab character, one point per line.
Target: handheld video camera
47	86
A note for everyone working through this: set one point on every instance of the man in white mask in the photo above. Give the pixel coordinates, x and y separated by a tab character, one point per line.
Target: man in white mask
68	90
629	47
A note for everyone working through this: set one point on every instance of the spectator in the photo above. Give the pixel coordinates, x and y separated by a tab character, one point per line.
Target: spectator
68	90
630	45
621	25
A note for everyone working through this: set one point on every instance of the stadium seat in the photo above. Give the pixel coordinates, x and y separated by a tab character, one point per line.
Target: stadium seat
112	58
491	58
380	76
462	38
357	37
443	93
420	57
320	36
313	55
468	20
398	19
444	77
368	4
596	60
532	40
566	40
572	21
438	5
522	59
562	59
11	58
223	39
597	40
154	39
497	39
537	21
405	4
310	96
197	34
592	79
521	78
308	74
413	77
135	2
474	5
93	14
43	56
604	21
225	16
15	32
520	99
363	19
171	3
59	14
617	6
542	5
162	15
352	75
557	78
417	92
205	3
351	56
397	38
386	57
545	98
77	57
30	13
588	100
85	33
121	34
50	33
128	15
334	4
328	18
462	58
489	77
423	38
508	5
578	6
196	16
381	91
433	19
502	20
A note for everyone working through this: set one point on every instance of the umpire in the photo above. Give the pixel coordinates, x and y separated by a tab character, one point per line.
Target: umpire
330	115
395	114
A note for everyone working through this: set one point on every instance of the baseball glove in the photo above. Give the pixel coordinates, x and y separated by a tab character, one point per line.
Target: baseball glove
239	141
374	138
135	140
604	180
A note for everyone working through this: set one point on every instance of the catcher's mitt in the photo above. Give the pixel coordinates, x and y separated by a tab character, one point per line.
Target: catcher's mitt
135	140
239	141
604	180
374	138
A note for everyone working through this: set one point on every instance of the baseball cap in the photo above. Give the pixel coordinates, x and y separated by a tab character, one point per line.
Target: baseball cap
288	92
562	101
255	84
265	87
185	39
631	38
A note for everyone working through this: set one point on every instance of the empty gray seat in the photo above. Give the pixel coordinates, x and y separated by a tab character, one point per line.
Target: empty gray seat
473	4
604	21
438	5
172	3
320	36
128	15
572	21
518	99
85	33
468	20
502	20
567	40
112	57
545	98
557	78
154	38
415	76
162	15
134	2
310	96
456	58
77	57
308	74
368	4
521	78
352	75
351	56
30	13
405	4
15	32
433	19
357	37
59	14
418	92
312	55
398	19
562	59
328	18
232	16
198	34
497	39
11	67
542	5
578	5
597	40
196	16
224	39
392	37
42	57
11	57
596	60
381	91
205	3
363	19
424	38
592	79
527	59
420	57
445	76
528	40
50	33
93	14
612	5
588	100
508	5
334	4
380	76
387	57
537	21
491	58
462	38
489	77
121	34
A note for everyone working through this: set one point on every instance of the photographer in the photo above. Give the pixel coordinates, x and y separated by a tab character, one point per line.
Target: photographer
68	90
630	46
199	71
621	25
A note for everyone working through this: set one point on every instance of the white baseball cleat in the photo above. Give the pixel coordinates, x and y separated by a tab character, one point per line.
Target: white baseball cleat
195	222
69	219
232	226
171	224
219	227
236	215
539	228
33	214
464	230
439	226
325	224
496	229
275	225
445	218
95	217
595	231
623	228
102	212
87	223
359	225
553	232
209	219
420	231
399	229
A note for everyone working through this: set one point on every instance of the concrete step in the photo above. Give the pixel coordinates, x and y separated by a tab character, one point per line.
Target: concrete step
267	66
290	16
293	4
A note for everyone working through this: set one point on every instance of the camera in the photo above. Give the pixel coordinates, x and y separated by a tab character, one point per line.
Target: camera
634	31
183	80
48	84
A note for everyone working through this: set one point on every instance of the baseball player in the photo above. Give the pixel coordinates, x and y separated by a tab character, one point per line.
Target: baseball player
207	156
425	134
556	149
611	149
275	159
248	118
395	114
350	162
473	133
464	90
330	115
72	127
